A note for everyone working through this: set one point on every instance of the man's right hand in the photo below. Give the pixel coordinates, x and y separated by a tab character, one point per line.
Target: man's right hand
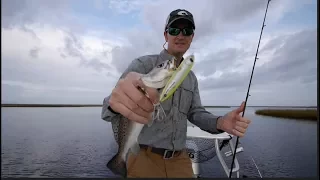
129	101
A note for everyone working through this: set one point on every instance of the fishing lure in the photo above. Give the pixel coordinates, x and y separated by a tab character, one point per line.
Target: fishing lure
172	85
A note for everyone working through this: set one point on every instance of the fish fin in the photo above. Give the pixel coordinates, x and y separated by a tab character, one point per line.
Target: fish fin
135	148
118	166
153	115
159	113
151	120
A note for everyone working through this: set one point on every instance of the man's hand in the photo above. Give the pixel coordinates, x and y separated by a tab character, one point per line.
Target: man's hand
233	123
129	101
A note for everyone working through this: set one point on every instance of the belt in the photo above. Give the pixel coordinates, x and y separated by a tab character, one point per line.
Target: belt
165	153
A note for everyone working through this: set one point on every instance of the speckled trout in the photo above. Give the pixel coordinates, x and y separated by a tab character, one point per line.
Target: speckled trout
126	132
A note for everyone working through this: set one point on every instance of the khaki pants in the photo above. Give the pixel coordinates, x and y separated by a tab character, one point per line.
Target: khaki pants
152	165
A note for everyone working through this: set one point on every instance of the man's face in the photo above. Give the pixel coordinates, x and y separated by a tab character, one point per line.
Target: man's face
179	43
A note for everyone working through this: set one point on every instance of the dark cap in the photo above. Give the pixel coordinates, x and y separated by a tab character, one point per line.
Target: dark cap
179	14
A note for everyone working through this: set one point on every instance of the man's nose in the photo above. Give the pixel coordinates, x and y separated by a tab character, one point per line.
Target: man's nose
180	35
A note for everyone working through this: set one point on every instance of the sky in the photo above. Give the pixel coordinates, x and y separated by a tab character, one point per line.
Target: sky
74	51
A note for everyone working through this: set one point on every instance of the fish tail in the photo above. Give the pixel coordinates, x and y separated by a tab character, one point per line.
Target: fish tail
118	166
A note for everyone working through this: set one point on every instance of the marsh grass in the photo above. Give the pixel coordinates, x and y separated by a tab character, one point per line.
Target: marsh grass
306	114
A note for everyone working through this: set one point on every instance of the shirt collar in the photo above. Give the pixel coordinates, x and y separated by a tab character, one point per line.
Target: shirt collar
165	55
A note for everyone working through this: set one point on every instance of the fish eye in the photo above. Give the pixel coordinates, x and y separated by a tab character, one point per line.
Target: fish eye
160	65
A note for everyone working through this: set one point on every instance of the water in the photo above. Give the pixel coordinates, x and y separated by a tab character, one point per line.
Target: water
75	142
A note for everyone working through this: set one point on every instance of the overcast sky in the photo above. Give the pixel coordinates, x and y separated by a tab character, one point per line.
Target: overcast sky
73	51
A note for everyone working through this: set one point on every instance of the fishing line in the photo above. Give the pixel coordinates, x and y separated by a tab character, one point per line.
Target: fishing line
256	166
245	103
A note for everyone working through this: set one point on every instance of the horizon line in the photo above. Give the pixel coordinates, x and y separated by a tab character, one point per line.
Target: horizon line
56	104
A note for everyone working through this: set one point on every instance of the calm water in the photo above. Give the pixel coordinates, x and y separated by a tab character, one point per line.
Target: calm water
75	142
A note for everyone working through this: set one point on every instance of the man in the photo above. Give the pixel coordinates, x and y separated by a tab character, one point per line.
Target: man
162	145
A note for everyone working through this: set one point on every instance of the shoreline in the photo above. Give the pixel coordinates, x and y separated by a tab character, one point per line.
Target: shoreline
297	114
75	105
100	105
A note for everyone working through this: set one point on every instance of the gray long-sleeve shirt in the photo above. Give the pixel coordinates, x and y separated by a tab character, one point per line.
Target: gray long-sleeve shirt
185	104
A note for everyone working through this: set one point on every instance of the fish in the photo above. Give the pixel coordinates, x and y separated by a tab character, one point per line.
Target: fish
177	78
126	132
158	78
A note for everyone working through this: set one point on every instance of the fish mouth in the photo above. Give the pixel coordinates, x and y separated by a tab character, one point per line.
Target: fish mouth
166	78
171	70
170	65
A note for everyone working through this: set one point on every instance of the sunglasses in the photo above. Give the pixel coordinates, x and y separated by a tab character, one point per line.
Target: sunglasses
176	31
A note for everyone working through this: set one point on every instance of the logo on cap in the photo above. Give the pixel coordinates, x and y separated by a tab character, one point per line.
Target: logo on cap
182	13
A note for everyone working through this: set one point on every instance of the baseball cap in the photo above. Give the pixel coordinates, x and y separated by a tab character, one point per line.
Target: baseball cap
179	14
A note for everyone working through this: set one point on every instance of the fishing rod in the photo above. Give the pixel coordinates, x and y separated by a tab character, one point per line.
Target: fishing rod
245	103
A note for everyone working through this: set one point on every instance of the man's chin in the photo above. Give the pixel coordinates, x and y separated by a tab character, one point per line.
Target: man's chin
180	50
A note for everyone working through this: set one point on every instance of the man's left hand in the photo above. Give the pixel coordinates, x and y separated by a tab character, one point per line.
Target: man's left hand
233	123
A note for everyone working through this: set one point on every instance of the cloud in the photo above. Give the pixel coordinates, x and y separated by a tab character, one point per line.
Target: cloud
272	94
30	11
34	52
291	68
22	92
40	87
126	6
215	17
37	74
75	52
214	62
293	57
213	20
